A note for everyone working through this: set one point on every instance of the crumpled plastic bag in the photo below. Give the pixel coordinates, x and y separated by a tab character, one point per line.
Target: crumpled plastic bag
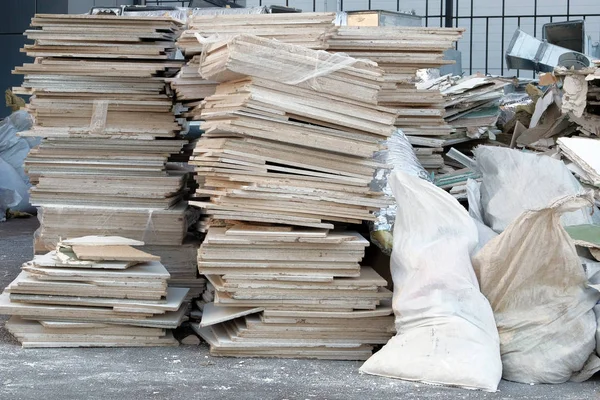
514	181
399	155
446	332
14	182
12	189
543	305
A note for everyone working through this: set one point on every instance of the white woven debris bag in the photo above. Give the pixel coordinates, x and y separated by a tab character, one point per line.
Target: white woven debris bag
514	181
538	289
592	271
446	329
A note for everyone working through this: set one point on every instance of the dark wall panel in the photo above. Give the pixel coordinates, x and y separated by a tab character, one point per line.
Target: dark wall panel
15	18
10	45
15	15
52	6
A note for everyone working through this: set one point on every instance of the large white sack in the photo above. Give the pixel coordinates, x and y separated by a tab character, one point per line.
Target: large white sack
446	329
543	306
14	193
592	271
514	181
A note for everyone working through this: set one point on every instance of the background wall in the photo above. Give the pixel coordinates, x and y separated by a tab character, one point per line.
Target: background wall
83	6
14	20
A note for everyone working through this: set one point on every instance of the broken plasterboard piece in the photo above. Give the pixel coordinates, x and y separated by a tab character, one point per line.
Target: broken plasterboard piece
112	253
212	314
584	152
102	241
585	235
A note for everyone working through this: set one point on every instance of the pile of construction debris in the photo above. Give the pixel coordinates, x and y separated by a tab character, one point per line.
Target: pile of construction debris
581	103
564	121
297	117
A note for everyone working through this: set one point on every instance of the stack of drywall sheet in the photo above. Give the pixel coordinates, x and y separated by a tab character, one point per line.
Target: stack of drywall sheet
158	227
400	52
287	292
307	29
104	172
286	333
280	166
182	263
94	292
471	102
279	153
100	102
189	85
472	109
280	251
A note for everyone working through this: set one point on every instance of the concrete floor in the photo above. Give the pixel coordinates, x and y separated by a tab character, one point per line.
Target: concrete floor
189	372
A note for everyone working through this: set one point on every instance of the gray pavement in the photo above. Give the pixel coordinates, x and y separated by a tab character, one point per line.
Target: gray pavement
188	372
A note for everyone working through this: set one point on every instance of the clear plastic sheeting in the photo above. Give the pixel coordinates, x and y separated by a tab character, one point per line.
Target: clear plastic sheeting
180	14
184	13
228	11
397	156
510	104
431	76
14	183
341	18
297	70
325	64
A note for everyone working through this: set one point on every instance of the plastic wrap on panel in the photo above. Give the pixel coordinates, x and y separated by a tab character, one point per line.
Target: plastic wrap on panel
510	104
182	14
429	75
228	11
397	155
325	63
341	18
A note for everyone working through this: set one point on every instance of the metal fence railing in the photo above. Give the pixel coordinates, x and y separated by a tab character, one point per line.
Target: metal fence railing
487	36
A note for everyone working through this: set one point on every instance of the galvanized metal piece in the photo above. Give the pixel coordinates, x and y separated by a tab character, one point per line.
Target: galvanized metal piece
527	52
